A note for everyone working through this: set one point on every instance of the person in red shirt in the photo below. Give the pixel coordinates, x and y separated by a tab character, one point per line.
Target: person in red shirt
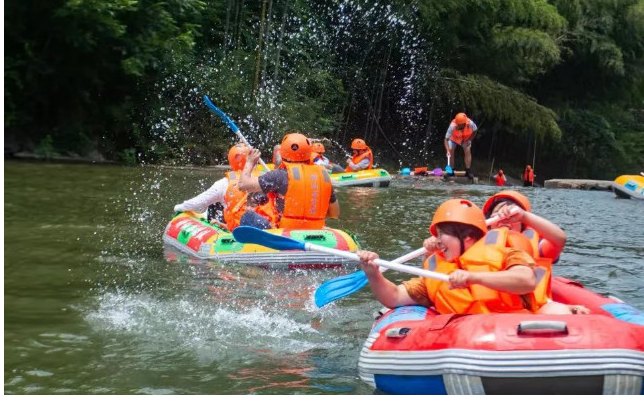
500	178
528	177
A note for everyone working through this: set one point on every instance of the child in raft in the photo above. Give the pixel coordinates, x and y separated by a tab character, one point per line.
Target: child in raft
503	283
546	238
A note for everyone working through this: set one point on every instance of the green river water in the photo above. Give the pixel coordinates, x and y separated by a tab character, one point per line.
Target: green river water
93	306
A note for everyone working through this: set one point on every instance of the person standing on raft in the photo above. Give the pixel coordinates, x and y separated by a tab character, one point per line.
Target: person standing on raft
362	157
305	194
461	132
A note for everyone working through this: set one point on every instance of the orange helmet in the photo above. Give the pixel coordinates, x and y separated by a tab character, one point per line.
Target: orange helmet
317	147
358	144
459	211
237	156
512	195
295	148
461	118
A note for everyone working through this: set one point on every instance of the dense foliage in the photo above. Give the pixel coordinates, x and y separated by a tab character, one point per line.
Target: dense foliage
126	77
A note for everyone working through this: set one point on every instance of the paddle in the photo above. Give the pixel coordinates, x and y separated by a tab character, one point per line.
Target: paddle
448	168
342	286
254	235
231	124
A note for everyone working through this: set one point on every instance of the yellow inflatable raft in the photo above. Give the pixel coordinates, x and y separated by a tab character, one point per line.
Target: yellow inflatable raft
363	178
191	233
629	186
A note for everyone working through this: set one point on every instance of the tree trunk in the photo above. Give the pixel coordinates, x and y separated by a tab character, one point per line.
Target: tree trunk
382	83
267	35
345	103
260	45
428	132
238	6
226	39
279	43
346	124
489	154
370	113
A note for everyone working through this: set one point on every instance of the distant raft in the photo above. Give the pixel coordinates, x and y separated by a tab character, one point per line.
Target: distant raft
364	178
191	233
629	186
415	350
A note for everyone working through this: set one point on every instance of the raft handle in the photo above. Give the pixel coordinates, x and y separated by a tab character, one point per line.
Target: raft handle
397	332
542	327
315	237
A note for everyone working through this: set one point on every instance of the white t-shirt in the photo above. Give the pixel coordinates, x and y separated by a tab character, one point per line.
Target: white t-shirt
324	161
201	202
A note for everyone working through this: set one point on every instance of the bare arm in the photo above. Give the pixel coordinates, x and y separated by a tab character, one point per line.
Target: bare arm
518	279
334	210
547	230
248	182
383	289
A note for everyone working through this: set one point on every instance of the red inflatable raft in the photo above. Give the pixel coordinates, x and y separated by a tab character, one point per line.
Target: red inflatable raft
414	350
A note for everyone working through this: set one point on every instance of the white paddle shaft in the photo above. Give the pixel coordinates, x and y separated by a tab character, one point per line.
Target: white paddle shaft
382	263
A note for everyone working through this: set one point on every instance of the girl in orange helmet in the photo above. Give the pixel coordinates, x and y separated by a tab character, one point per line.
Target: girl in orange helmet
362	156
514	210
318	158
504	282
546	239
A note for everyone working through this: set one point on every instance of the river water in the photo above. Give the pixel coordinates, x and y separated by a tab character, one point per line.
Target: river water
93	306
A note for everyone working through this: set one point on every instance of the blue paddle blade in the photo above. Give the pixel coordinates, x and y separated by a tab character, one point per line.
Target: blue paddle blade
448	169
342	286
221	114
245	234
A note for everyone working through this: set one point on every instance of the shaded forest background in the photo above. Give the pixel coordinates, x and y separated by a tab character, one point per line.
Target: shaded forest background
125	78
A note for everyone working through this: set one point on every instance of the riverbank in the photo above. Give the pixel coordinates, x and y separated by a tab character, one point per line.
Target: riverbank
580	184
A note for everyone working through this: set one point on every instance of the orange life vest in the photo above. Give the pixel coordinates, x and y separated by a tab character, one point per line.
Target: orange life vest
235	201
528	175
488	254
460	135
357	158
269	210
306	201
543	291
499	180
